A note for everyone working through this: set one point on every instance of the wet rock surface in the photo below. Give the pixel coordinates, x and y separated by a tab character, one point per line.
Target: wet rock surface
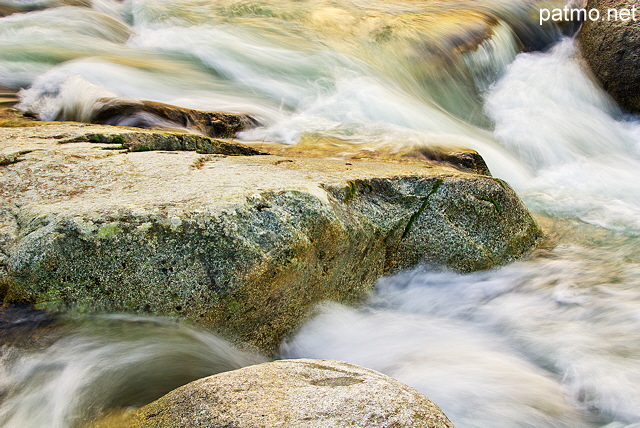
151	114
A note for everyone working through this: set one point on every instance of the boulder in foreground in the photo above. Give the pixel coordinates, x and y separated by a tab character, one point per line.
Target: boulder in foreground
293	393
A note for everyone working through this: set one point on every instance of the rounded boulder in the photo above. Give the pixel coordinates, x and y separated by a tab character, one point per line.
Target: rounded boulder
293	393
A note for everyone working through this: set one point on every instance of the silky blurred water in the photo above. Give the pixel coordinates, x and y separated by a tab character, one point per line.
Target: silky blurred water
106	362
552	341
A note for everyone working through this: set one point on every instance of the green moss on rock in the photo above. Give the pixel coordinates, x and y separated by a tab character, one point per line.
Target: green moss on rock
244	245
254	272
139	141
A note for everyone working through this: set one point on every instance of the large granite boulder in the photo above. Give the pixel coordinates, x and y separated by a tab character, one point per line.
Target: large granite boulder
611	48
245	244
292	393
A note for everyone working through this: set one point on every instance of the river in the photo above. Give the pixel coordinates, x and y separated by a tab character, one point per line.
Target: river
551	341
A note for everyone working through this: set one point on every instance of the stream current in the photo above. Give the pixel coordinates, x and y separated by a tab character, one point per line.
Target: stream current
551	341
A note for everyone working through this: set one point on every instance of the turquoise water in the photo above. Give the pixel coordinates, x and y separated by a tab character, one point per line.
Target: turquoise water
553	341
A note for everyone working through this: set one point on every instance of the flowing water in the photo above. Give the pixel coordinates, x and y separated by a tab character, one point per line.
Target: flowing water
553	341
103	363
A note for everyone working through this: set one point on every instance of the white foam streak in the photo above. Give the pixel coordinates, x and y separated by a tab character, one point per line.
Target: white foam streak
284	74
470	374
70	91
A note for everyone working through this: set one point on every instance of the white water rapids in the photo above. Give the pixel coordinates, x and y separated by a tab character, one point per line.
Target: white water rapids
552	341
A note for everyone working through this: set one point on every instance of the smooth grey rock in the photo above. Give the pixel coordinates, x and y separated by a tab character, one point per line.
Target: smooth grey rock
293	393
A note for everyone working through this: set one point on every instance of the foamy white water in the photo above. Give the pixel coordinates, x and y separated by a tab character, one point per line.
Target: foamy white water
586	154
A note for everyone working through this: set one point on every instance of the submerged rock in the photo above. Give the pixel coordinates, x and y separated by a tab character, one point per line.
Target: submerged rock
293	393
6	10
244	244
8	97
610	48
151	114
23	327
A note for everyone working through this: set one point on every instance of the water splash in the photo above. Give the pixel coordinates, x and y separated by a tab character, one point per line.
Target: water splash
509	347
563	324
585	154
281	56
